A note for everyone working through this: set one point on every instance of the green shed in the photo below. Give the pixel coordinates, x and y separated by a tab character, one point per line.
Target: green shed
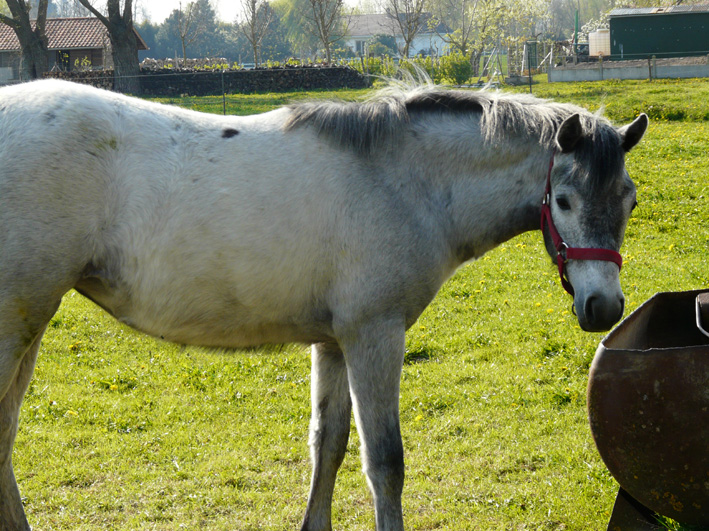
676	31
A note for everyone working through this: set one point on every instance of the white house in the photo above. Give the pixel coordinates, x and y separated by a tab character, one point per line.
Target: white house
361	28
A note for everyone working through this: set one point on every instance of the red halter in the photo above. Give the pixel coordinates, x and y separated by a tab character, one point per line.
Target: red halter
564	252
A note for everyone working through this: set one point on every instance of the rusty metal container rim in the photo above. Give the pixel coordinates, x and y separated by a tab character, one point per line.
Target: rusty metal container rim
632	316
702	311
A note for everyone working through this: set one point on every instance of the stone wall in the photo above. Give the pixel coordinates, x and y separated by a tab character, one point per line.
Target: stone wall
174	82
98	78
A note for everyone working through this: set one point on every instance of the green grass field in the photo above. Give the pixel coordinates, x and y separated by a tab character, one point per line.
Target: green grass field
120	431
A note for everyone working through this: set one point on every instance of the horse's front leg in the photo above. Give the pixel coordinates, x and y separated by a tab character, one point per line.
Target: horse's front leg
329	431
15	379
375	356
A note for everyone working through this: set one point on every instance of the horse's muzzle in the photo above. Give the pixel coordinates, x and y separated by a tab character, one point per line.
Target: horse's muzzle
599	312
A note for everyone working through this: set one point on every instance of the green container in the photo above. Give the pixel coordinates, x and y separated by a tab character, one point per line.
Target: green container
662	32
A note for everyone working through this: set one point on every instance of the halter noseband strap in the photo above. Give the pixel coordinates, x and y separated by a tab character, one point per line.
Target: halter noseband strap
564	252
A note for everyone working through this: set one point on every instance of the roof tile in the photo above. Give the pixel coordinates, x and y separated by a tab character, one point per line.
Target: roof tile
65	34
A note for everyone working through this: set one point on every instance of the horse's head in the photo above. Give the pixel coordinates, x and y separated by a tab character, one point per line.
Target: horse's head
589	198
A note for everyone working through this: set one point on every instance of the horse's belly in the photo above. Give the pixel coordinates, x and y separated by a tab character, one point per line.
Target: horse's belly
235	334
209	318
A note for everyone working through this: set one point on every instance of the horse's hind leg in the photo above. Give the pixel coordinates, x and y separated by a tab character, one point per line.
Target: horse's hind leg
329	431
14	379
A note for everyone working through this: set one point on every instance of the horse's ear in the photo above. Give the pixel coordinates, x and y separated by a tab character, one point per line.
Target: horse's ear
569	134
632	133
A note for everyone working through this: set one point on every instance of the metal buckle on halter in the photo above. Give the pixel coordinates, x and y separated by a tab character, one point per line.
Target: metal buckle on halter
563	247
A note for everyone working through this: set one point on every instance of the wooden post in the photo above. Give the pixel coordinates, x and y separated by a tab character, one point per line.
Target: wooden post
223	95
600	64
654	65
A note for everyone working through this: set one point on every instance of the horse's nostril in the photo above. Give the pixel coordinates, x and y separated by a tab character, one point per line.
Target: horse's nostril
601	313
588	309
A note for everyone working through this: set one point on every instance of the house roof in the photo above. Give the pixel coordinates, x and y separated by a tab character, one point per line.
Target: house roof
670	10
66	34
360	25
383	24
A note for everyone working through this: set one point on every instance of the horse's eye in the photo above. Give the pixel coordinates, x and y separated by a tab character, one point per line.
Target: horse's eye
563	203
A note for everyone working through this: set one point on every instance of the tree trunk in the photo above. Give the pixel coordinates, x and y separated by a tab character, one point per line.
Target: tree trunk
475	61
124	44
126	68
34	55
33	40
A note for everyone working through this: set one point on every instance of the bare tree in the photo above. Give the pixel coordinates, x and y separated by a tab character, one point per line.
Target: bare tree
327	23
258	15
409	17
32	37
70	8
124	43
188	27
455	23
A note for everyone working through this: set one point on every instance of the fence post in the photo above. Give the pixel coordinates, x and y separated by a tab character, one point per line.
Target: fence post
654	66
600	65
223	95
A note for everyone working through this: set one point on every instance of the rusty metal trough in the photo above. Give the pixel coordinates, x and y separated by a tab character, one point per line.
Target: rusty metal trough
648	405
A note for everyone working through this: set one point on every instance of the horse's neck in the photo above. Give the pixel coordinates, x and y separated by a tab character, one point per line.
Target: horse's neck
495	195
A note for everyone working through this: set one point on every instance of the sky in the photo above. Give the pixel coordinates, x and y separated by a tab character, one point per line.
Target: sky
227	10
159	10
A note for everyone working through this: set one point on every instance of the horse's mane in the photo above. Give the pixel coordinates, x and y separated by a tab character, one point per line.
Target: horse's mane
376	123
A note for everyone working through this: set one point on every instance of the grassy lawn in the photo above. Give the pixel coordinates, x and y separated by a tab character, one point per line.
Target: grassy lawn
120	431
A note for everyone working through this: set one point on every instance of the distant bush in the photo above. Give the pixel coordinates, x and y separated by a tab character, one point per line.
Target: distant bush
379	45
374	66
455	68
377	49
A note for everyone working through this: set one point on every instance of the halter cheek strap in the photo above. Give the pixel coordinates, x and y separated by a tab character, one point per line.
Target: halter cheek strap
564	252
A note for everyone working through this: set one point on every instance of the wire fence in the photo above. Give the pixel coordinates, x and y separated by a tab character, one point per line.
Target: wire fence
642	66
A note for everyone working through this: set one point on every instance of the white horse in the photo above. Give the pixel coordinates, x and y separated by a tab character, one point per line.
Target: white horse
332	224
